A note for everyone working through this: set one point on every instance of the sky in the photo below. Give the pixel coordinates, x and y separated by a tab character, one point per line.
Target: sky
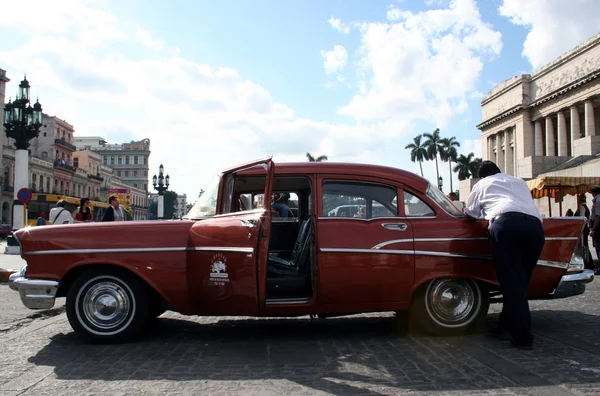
213	84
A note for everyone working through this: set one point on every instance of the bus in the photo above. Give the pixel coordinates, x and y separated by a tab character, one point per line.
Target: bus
45	202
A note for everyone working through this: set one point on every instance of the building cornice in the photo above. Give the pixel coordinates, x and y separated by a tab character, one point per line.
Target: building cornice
504	87
575	84
504	114
566	57
3	76
546	98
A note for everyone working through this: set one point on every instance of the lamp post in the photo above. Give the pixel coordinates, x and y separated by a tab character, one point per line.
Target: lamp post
161	184
440	183
21	123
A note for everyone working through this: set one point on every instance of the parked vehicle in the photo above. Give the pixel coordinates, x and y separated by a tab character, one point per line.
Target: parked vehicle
5	231
228	258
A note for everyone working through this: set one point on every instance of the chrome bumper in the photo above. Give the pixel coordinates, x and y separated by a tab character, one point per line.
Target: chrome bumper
573	284
34	293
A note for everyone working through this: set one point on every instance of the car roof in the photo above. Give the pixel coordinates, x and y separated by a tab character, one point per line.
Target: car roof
345	168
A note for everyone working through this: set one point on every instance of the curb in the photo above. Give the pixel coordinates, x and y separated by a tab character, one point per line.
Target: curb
5	273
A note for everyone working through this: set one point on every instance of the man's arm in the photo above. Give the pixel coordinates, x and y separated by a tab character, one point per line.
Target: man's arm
473	208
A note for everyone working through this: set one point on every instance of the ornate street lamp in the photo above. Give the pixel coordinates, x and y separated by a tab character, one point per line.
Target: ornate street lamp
21	123
440	182
161	184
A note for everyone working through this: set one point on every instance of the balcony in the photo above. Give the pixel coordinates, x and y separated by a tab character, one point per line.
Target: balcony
7	189
65	144
96	177
65	165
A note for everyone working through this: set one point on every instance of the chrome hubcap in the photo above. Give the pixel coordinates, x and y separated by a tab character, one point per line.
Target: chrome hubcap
451	300
106	305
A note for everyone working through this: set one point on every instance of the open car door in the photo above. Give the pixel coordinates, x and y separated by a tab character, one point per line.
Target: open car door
227	254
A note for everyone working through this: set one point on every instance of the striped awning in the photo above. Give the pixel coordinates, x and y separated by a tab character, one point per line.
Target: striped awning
558	186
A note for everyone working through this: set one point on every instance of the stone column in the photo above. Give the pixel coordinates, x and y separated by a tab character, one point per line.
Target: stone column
539	139
562	135
508	159
575	127
549	137
590	125
490	148
499	155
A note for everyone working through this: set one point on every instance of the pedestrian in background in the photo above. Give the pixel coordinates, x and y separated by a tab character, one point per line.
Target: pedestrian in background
594	223
114	212
60	214
83	214
42	219
517	239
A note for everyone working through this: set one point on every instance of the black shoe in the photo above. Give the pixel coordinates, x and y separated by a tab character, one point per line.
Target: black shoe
501	334
525	347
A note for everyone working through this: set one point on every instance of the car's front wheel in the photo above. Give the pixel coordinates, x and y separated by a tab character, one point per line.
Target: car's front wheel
107	305
450	306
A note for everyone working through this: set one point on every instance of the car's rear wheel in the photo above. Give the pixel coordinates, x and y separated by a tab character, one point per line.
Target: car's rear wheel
450	306
107	305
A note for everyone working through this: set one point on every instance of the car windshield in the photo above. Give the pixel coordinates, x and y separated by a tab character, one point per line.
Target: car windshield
443	201
206	205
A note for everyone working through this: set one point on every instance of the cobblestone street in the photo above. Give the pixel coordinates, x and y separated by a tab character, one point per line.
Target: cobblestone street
368	354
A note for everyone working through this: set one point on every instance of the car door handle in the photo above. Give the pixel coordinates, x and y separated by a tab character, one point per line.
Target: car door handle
249	222
395	226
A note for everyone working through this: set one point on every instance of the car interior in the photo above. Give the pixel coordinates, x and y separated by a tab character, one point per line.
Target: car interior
289	267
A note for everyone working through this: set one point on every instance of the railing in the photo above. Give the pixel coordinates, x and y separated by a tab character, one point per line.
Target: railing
96	177
64	165
66	144
81	172
7	188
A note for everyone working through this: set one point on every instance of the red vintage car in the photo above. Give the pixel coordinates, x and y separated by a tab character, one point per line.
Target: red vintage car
404	246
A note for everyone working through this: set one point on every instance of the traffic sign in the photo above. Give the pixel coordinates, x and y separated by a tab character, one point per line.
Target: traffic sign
24	195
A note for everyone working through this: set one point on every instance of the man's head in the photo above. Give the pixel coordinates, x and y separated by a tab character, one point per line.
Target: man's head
62	203
488	168
452	196
595	190
113	200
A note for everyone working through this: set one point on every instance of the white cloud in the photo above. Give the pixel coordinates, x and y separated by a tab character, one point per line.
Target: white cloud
337	24
422	66
555	26
145	37
471	146
335	60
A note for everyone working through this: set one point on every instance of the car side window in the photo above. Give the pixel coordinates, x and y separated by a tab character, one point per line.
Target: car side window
361	200
415	207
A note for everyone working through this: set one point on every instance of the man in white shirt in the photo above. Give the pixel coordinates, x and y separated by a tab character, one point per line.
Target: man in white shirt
452	196
517	238
60	214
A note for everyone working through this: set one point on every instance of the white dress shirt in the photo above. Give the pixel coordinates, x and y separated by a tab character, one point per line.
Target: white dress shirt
498	194
60	215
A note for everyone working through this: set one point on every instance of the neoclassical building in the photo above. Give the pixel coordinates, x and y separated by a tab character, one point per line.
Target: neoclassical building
547	122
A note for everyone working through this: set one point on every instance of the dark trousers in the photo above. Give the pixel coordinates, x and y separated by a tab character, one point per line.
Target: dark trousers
517	241
596	239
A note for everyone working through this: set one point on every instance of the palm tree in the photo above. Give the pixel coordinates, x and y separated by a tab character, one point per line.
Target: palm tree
418	151
463	166
474	167
449	153
317	159
467	166
434	146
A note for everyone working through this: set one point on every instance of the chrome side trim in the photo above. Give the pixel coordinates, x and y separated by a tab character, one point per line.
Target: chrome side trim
360	219
393	241
543	263
446	254
553	264
222	249
100	251
562	238
448	239
368	251
287	301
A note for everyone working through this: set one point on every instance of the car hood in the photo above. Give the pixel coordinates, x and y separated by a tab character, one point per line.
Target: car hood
105	235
